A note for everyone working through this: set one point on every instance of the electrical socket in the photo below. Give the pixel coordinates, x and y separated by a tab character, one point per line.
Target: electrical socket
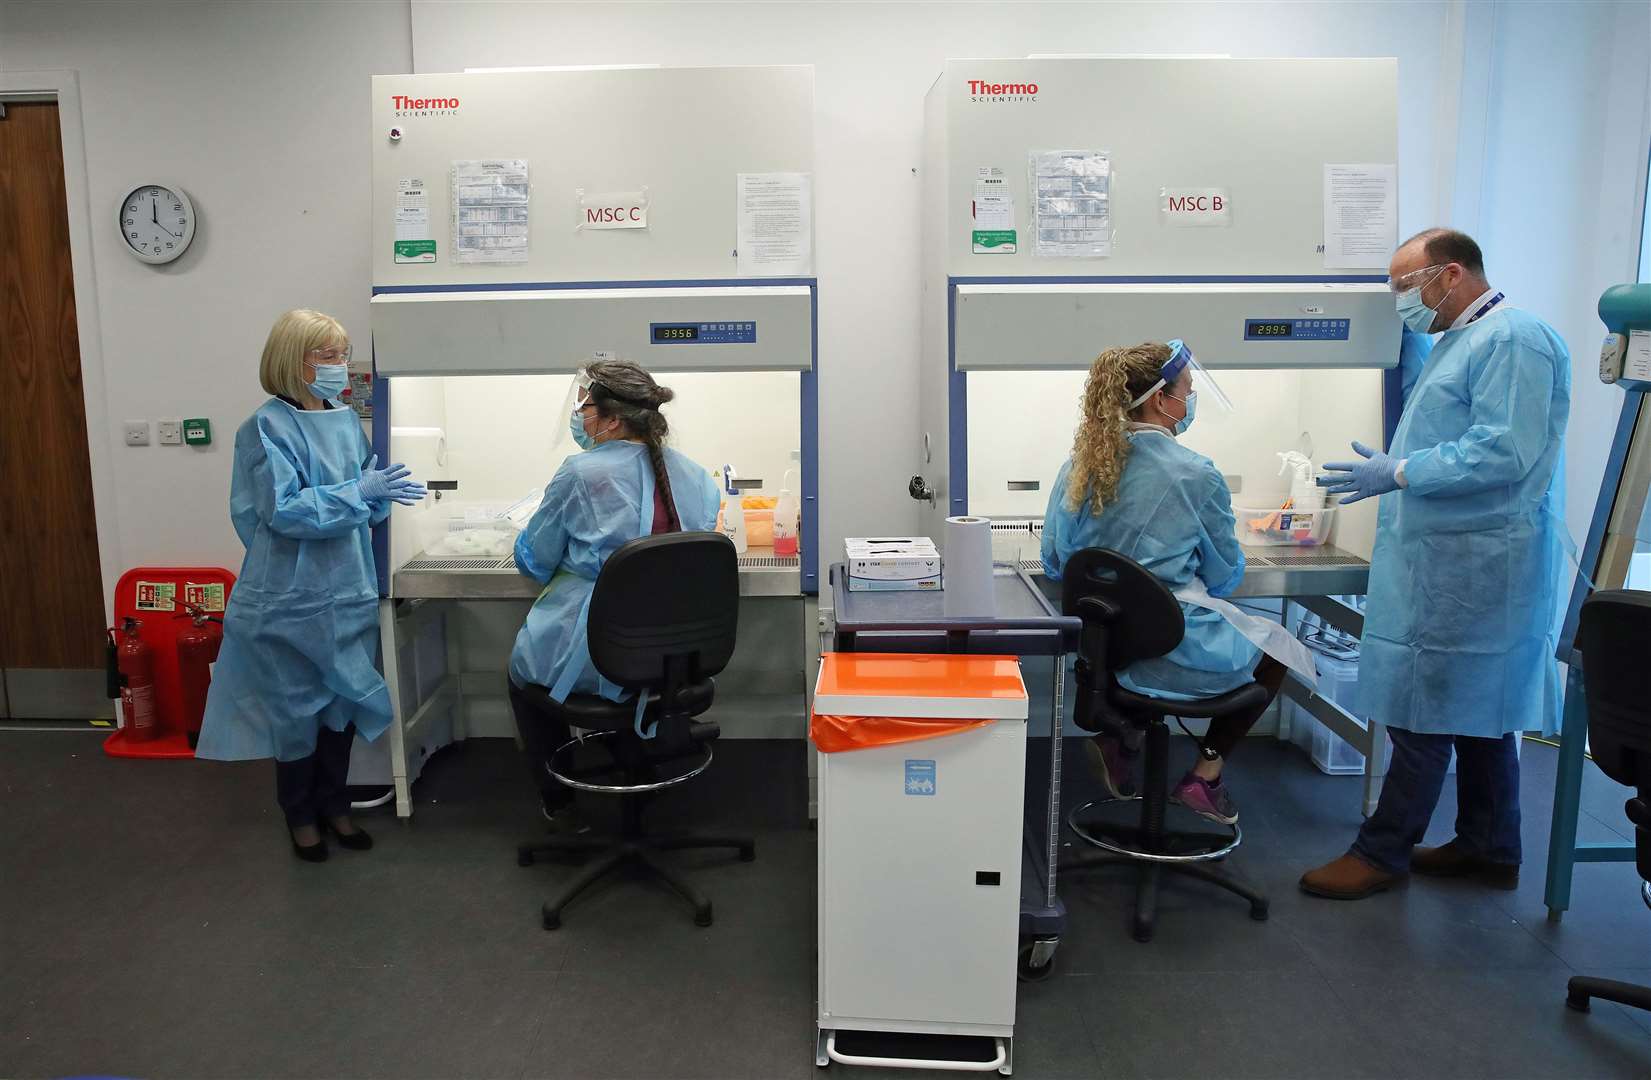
169	432
137	432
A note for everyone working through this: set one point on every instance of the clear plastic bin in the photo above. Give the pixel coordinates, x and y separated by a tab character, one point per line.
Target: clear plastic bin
1278	527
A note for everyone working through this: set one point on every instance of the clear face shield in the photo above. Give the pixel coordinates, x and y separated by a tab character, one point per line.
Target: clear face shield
1203	383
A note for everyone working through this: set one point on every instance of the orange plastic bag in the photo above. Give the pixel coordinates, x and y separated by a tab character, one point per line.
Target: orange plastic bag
834	734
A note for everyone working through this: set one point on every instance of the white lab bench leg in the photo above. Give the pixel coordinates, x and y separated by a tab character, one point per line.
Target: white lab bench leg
389	647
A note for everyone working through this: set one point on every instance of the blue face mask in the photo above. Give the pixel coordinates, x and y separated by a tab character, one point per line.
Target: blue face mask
1191	403
330	381
576	424
1417	315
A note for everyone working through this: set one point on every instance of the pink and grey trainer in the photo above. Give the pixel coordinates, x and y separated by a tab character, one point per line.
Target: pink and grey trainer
1207	800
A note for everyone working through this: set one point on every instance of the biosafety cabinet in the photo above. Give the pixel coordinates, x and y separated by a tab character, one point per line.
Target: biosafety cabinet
1248	207
524	224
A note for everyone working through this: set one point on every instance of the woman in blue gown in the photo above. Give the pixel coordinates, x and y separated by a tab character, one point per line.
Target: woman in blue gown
297	675
625	484
1131	487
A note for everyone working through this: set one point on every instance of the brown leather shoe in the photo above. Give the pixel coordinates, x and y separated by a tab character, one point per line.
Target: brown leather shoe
1449	860
1348	878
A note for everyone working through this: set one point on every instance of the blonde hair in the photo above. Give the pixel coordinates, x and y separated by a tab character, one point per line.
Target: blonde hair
281	371
1101	446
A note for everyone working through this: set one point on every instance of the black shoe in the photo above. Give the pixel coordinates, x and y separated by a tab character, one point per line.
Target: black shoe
316	852
355	841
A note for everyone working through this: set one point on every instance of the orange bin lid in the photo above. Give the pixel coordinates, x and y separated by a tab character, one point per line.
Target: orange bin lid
943	686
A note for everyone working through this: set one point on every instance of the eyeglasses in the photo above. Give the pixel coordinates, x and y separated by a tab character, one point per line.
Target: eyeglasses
1406	282
332	354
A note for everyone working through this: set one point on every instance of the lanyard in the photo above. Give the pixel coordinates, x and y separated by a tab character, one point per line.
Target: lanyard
1485	309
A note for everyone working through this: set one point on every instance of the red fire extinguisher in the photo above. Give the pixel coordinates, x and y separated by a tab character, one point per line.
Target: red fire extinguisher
132	667
198	646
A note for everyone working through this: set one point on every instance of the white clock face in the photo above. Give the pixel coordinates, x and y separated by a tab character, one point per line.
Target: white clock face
157	222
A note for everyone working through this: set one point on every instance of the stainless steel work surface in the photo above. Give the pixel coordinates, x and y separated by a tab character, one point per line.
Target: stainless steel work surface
1303	571
440	577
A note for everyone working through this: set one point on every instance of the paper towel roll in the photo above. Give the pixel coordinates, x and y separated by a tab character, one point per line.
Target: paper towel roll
967	570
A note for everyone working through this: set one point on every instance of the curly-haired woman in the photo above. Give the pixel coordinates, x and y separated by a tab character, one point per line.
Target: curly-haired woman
1130	486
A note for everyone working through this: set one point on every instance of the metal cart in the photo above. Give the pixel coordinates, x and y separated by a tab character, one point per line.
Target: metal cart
1026	624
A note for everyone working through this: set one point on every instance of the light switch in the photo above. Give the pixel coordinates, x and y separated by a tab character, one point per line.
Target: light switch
169	432
137	432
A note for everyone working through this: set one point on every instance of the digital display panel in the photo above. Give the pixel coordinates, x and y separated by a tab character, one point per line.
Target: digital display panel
663	332
1271	329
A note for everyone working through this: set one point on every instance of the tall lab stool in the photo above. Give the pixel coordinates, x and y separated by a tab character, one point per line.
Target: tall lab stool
662	622
1129	615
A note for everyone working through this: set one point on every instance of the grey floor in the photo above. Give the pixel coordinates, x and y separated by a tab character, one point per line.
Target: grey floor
152	923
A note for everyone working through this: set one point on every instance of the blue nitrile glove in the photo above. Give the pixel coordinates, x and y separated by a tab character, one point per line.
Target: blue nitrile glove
380	485
1377	475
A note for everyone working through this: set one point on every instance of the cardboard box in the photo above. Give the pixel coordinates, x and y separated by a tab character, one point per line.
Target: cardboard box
892	564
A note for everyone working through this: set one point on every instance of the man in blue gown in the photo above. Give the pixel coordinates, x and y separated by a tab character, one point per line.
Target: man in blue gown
1458	646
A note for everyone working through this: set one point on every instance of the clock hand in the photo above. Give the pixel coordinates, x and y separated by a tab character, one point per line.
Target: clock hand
154	215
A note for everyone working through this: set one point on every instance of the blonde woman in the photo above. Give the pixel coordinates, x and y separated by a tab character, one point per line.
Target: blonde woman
297	676
1131	487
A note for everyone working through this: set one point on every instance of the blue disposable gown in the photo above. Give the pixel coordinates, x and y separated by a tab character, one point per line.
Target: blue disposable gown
598	501
301	632
1173	515
1459	634
1414	349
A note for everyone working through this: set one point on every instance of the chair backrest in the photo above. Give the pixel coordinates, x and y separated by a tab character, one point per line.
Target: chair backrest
1127	614
665	610
1612	635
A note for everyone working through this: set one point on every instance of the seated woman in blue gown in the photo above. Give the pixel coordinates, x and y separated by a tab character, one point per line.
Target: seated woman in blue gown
625	484
1131	487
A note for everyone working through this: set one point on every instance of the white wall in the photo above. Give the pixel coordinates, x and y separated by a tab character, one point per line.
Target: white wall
1564	121
260	110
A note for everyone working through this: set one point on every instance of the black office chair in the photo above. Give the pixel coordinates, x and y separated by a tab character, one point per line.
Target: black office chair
1611	635
1129	615
662	622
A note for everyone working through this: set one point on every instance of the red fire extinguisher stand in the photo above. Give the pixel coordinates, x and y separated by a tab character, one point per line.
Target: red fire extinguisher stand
157	608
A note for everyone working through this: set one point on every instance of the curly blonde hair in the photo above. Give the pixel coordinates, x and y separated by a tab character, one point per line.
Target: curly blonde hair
1101	446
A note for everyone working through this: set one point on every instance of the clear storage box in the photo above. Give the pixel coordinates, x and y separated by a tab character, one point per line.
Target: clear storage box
1283	526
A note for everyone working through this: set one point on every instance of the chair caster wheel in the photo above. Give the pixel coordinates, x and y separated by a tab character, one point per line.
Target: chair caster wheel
702	917
1579	1002
1143	932
552	920
524	857
1258	912
748	853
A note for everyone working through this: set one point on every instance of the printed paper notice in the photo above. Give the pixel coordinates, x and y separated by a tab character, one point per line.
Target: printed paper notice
413	243
994	214
1361	216
490	211
775	236
1072	212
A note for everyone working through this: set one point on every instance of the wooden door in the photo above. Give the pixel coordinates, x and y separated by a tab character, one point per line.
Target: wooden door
51	587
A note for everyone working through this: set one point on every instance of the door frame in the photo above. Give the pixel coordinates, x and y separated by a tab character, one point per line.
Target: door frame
62	85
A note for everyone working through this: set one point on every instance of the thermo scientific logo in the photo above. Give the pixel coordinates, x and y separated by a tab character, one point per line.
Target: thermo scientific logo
424	106
991	93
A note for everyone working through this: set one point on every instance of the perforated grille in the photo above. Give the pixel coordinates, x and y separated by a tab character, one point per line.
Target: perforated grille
1341	559
440	563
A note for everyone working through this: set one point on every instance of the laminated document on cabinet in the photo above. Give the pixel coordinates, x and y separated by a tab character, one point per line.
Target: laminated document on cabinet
1072	203
490	211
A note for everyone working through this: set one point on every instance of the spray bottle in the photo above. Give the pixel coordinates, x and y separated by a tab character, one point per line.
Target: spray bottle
1305	494
786	517
733	511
